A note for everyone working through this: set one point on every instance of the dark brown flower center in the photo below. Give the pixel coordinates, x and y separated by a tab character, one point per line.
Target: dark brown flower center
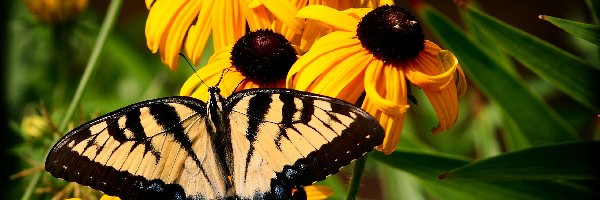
263	56
391	33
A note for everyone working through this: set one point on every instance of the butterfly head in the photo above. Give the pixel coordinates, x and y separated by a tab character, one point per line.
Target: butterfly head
215	99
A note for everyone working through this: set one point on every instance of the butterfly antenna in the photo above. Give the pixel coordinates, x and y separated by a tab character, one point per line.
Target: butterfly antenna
192	66
222	75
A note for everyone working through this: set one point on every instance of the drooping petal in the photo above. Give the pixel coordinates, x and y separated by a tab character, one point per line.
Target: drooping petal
390	110
427	72
444	99
329	16
329	50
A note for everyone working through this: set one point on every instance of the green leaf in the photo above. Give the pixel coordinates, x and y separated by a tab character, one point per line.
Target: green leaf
594	9
588	32
538	123
427	166
573	160
557	67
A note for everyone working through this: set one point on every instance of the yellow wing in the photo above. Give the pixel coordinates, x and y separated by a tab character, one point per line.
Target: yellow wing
285	138
153	149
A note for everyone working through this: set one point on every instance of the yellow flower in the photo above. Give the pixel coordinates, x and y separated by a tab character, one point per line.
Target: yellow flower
173	24
375	52
169	23
259	59
56	11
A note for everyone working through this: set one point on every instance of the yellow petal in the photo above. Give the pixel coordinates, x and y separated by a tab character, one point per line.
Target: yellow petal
329	16
228	23
149	3
286	12
259	18
209	74
357	13
312	31
106	197
178	31
336	46
389	81
372	76
425	70
198	34
318	192
160	19
346	76
443	95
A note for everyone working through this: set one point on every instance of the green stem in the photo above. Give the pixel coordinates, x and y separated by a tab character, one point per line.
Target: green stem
359	169
107	25
109	21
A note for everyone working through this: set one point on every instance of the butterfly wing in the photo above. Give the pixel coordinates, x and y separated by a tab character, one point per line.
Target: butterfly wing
285	138
153	149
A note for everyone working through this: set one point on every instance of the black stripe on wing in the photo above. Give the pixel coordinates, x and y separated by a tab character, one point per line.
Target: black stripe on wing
66	163
358	137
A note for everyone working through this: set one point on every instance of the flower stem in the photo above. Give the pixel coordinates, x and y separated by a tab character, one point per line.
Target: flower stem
359	169
107	25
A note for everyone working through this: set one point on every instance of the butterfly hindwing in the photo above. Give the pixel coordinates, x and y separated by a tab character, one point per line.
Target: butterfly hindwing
285	138
157	148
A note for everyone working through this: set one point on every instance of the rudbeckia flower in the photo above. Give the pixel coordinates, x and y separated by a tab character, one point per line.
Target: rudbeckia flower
170	24
259	59
375	52
173	24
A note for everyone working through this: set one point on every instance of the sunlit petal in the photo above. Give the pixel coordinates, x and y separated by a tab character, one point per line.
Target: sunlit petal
335	45
198	34
334	83
178	32
317	192
329	16
286	12
228	24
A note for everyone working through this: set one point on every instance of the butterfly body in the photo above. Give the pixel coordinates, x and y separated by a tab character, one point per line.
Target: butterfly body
256	144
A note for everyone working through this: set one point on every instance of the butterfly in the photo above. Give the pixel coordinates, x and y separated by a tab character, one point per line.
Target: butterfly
255	144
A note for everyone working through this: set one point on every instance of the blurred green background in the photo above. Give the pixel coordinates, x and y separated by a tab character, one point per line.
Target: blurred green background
43	63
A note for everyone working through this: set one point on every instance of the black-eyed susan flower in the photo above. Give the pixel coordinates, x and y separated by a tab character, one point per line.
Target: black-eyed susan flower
375	52
173	23
56	11
258	59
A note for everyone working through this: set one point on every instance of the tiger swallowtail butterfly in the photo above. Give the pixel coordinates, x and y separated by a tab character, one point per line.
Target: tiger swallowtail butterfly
256	144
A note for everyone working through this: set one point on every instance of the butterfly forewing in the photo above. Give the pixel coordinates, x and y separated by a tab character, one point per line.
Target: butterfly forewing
157	148
285	138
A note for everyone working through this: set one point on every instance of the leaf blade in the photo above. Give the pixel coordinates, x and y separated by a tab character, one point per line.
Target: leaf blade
538	123
557	67
588	32
573	160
